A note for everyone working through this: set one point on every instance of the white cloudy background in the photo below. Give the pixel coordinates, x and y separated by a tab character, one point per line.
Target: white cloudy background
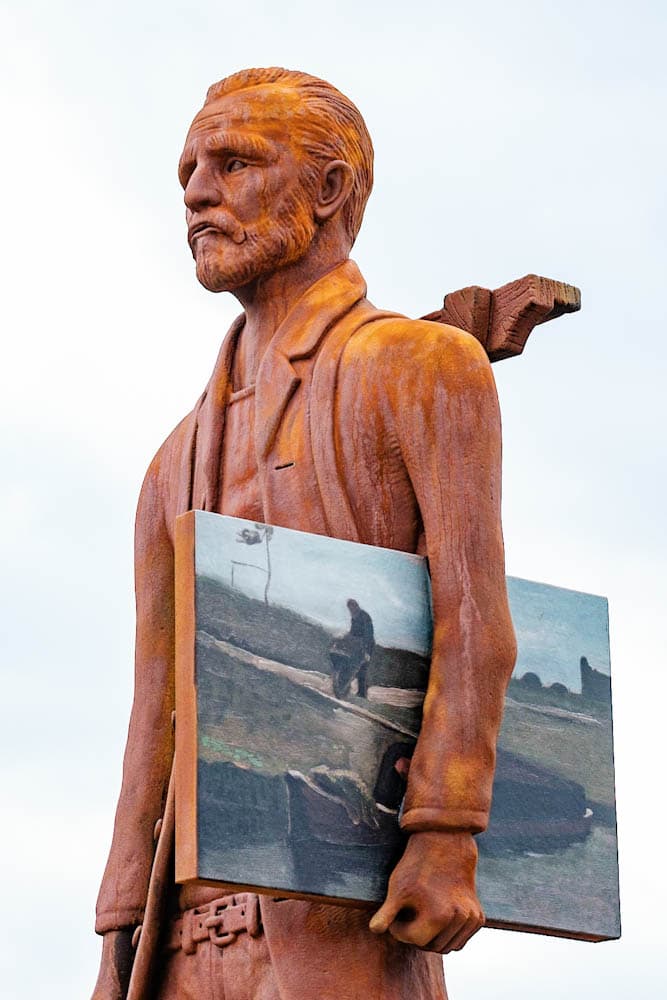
514	137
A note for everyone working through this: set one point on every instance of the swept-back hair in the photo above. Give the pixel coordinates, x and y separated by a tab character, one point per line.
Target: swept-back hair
328	126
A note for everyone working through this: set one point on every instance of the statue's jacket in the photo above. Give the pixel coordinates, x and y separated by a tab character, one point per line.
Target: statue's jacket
369	427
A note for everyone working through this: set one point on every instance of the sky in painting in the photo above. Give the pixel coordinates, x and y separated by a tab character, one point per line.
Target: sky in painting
315	576
555	627
510	138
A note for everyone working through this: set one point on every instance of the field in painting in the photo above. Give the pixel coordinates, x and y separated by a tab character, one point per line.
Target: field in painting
570	882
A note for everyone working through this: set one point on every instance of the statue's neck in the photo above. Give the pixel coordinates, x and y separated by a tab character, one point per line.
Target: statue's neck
267	302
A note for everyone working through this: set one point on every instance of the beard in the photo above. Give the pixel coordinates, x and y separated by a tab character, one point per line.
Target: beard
225	263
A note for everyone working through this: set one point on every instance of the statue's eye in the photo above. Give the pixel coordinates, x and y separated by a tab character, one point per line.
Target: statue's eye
235	165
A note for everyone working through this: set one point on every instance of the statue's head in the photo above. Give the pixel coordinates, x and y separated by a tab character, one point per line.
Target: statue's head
274	159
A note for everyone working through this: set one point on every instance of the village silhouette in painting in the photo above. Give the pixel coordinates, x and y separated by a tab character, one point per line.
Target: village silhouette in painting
310	663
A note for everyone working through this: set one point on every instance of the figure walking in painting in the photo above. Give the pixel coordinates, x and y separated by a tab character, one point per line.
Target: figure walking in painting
351	655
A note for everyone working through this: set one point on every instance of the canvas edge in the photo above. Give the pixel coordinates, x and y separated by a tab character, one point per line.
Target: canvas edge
560	932
613	766
186	852
278	892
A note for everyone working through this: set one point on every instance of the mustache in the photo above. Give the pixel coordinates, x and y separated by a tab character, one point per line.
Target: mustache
225	225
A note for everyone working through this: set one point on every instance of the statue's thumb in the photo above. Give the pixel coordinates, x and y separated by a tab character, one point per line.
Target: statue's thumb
383	919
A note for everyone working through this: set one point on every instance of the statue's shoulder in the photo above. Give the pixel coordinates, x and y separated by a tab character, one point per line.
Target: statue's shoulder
177	445
172	461
391	342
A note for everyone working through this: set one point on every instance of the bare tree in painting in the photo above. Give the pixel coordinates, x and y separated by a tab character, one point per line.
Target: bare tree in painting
253	536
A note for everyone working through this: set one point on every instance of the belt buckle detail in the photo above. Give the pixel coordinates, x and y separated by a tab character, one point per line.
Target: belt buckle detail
215	924
220	940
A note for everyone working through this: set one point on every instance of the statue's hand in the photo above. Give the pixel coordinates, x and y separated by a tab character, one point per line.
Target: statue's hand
431	900
115	967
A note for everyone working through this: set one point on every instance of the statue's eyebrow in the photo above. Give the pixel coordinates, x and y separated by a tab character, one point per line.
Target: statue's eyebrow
239	144
252	147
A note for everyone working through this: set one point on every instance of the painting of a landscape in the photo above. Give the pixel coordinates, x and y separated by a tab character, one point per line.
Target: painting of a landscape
302	670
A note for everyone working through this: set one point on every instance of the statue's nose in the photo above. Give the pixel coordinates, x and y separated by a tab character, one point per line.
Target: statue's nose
201	191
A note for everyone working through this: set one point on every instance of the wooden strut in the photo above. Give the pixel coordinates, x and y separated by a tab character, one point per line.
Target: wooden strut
149	931
502	320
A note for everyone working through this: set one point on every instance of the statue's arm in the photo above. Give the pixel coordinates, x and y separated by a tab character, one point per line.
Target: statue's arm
445	416
149	748
450	439
113	979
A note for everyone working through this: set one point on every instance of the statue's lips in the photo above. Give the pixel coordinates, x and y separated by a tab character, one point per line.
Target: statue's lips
208	229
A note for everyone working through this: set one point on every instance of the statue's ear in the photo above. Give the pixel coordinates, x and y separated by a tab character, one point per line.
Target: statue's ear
336	180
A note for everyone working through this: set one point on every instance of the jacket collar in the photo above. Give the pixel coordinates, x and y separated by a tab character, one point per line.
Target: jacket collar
320	306
297	338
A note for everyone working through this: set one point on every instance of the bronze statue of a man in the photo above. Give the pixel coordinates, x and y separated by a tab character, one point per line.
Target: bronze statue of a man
326	415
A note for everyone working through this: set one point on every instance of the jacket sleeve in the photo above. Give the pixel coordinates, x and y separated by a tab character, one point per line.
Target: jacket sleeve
149	749
446	418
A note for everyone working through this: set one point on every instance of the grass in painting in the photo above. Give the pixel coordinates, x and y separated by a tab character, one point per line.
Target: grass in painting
573	885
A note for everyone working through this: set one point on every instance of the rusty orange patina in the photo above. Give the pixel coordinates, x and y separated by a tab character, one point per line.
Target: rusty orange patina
363	425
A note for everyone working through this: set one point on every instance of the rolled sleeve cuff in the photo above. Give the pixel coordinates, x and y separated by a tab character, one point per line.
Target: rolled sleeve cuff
425	818
118	920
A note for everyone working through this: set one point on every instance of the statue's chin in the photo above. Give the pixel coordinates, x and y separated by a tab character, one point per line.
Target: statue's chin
217	283
217	278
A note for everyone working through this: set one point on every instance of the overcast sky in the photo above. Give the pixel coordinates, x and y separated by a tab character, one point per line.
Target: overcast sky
510	138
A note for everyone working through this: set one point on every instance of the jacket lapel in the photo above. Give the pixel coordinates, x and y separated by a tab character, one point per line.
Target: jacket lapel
210	425
298	337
